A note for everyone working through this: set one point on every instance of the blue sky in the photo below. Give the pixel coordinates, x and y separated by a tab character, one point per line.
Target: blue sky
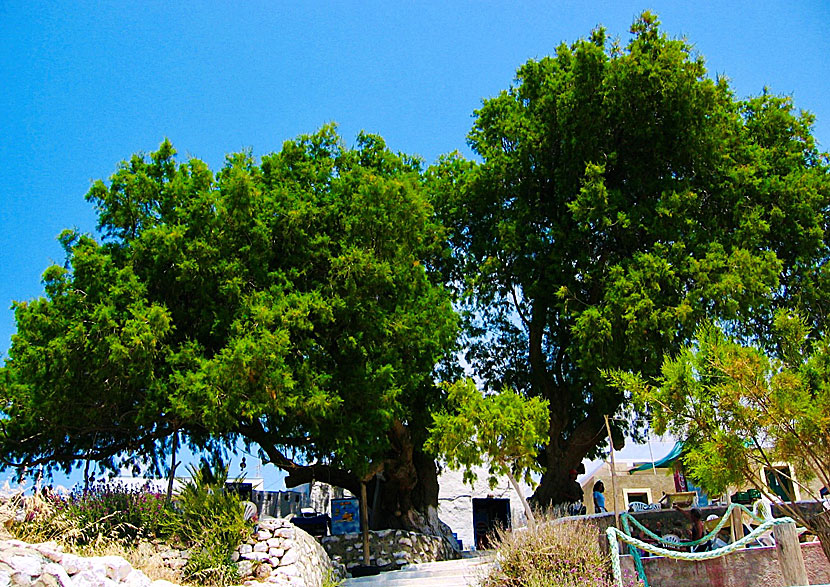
86	84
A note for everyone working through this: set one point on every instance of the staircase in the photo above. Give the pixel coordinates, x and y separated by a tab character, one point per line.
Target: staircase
465	572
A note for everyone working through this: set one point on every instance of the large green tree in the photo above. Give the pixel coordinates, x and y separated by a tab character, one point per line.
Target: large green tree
623	195
291	303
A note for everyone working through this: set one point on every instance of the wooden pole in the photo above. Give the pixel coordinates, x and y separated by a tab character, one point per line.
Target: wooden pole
790	560
651	454
173	465
364	522
736	519
613	474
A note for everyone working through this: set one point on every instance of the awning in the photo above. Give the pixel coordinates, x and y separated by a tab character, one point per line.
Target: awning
666	462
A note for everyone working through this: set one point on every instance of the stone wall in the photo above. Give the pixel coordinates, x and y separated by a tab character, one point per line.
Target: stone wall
746	568
282	554
47	565
389	549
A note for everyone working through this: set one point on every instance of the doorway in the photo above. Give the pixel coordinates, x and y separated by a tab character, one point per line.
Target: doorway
488	514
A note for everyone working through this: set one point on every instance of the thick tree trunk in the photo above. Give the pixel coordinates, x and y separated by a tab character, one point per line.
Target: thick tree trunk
821	526
407	495
563	454
554	487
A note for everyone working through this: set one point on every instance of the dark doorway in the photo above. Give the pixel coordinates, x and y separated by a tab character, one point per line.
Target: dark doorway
489	514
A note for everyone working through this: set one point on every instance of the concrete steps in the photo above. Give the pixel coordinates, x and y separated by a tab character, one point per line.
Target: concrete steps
465	572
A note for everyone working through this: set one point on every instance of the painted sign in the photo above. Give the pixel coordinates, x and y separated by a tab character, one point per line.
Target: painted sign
345	516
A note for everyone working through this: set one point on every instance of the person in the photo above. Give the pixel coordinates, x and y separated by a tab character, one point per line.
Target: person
698	529
599	497
574	494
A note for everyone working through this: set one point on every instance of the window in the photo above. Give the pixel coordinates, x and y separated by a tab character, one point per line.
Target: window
640	494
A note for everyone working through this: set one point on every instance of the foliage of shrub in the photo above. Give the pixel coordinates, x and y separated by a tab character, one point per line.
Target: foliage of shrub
211	521
204	517
116	511
106	512
566	554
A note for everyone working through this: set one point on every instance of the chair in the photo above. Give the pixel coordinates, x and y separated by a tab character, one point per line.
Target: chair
250	511
637	506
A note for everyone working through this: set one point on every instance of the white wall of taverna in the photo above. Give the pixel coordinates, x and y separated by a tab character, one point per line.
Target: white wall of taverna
455	502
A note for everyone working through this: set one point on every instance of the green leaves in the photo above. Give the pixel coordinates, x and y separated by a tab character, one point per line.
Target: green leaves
298	297
624	196
503	430
738	409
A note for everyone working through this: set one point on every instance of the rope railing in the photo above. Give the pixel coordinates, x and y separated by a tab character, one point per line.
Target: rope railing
614	535
626	518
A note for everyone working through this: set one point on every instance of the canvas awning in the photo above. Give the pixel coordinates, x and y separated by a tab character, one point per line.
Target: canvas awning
666	462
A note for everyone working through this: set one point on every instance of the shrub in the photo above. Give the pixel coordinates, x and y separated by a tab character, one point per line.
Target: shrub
211	521
566	554
117	512
106	512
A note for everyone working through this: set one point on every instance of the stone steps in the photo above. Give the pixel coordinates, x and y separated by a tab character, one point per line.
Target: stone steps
465	572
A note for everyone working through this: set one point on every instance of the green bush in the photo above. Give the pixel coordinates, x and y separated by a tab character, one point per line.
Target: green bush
104	512
566	554
210	521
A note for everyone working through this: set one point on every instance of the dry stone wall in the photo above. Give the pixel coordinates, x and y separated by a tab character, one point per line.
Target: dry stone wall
46	565
389	549
279	553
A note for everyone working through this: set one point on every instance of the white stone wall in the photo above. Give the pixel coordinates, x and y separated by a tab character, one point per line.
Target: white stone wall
455	501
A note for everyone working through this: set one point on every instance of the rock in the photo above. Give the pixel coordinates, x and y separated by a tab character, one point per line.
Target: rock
117	568
21	579
261	547
276	552
274	543
136	579
288	570
71	563
245	548
162	583
245	568
235	556
254	556
27	564
90	578
382	562
290	557
285	532
405	541
5	579
58	573
264	535
264	571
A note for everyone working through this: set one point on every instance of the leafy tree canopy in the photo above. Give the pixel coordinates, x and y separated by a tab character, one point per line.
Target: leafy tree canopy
502	430
622	196
292	303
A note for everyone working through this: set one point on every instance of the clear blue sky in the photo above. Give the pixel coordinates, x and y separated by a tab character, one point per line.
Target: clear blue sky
86	84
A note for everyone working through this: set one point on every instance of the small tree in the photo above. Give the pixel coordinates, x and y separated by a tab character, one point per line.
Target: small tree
504	429
739	409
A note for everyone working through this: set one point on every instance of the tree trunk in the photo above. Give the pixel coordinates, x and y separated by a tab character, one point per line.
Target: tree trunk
408	488
564	453
531	520
554	486
821	526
